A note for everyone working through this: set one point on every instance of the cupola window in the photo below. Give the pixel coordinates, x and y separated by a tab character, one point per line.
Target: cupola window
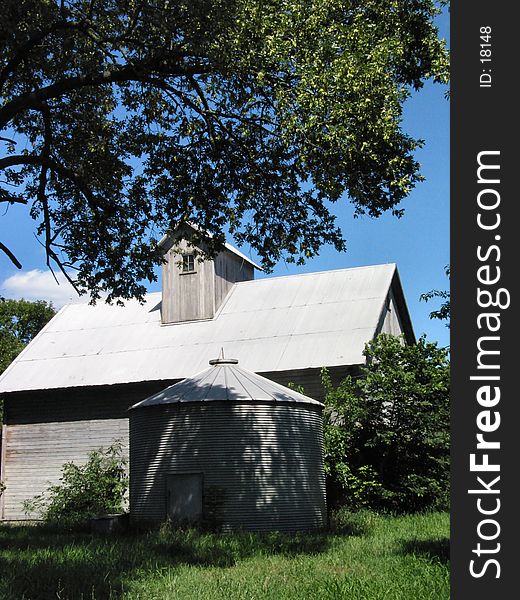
188	263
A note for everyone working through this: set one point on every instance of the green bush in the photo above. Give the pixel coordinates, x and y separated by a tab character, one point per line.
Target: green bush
387	432
98	487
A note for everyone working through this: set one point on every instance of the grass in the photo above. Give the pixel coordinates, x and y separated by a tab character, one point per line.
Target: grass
390	558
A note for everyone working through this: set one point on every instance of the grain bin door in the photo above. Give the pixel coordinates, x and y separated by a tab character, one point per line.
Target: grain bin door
184	497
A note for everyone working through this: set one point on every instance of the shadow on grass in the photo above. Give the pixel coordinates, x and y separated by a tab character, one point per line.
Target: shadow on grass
359	523
228	550
36	563
434	549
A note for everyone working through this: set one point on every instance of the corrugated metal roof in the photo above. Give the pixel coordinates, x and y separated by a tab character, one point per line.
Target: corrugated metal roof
272	324
225	381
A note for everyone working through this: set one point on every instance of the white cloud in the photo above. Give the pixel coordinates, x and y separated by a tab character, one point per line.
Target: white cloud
40	285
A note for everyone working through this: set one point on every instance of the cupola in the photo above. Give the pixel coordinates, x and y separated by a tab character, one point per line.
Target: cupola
194	290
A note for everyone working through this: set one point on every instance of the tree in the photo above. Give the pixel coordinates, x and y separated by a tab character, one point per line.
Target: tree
387	433
444	311
20	321
124	118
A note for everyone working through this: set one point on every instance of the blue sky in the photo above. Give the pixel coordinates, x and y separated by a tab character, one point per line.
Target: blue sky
418	242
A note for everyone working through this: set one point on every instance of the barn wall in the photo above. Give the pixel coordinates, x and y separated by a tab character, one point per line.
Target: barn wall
35	454
77	404
199	294
3	430
310	379
45	429
229	269
392	321
187	296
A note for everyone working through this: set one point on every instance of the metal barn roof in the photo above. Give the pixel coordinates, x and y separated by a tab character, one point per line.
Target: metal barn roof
225	381
273	324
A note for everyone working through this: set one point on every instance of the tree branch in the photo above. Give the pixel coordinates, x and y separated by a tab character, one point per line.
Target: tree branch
8	140
12	257
208	113
12	199
42	183
95	203
31	43
61	267
123	74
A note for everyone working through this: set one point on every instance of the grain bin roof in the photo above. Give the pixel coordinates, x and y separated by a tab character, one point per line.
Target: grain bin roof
225	381
273	324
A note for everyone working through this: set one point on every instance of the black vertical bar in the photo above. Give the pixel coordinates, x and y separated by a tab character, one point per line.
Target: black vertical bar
485	113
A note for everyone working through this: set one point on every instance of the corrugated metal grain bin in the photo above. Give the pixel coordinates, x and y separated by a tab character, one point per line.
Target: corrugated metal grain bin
229	448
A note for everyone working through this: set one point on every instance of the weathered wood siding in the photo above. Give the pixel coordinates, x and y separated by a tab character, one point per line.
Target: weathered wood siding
229	269
77	404
45	429
187	296
3	430
392	321
35	454
310	379
198	295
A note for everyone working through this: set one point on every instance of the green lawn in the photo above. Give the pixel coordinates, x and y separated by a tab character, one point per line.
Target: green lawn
386	558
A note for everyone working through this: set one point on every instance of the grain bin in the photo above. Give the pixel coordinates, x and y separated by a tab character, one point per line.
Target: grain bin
231	449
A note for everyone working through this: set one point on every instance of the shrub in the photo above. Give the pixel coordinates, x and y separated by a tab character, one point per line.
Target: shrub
387	433
98	487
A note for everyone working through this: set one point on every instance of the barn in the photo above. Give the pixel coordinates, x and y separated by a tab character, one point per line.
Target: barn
70	390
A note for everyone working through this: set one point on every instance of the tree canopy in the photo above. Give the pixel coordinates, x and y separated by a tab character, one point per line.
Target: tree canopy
442	313
387	433
20	321
123	118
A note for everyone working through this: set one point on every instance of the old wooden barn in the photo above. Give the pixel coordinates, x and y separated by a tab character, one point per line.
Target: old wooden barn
69	391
